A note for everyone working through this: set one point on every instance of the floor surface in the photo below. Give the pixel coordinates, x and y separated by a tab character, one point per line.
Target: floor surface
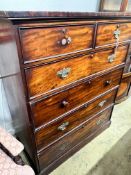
107	154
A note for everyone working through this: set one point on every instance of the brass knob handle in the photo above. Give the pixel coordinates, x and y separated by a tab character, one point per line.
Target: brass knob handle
91	56
111	58
108	82
63	126
102	103
64	103
64	72
65	41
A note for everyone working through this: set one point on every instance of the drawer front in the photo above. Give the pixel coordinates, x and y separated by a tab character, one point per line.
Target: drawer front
45	42
53	76
106	33
49	109
62	146
58	129
124	88
103	60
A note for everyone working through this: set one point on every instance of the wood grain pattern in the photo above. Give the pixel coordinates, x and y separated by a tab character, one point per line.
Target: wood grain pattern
44	42
124	87
74	149
49	134
100	60
105	33
37	107
44	78
49	109
65	144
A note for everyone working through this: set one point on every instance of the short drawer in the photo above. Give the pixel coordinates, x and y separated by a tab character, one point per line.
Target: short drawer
40	43
53	132
45	78
107	33
58	149
53	107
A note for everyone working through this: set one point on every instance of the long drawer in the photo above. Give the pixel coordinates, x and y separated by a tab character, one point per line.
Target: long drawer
40	43
43	79
58	149
50	108
107	33
53	132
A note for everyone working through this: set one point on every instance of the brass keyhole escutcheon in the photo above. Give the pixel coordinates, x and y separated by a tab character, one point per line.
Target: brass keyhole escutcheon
64	103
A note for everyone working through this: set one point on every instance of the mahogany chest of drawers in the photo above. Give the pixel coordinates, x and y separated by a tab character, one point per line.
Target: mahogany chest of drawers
61	73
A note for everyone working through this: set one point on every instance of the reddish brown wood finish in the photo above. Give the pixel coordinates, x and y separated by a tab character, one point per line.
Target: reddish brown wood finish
71	140
105	33
100	60
124	87
92	79
43	42
81	67
50	134
48	109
